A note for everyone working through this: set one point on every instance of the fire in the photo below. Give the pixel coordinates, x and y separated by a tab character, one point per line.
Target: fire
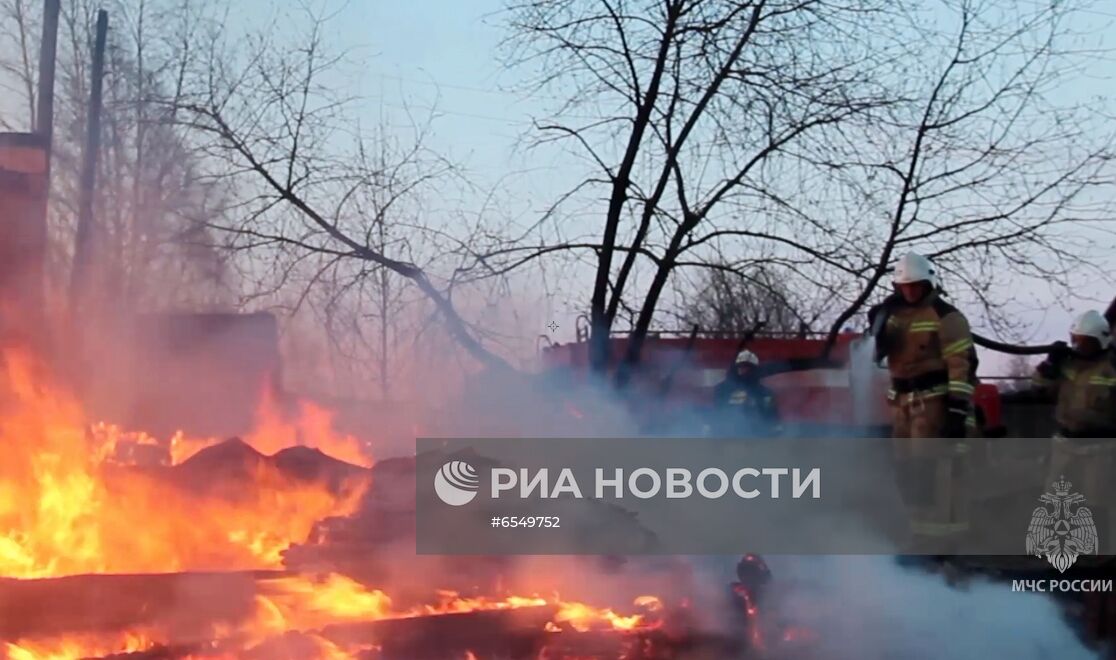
584	618
79	646
303	603
63	511
78	497
311	427
299	607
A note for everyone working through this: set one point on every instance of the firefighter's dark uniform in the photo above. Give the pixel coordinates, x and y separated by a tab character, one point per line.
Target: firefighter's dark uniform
1084	445
745	407
932	361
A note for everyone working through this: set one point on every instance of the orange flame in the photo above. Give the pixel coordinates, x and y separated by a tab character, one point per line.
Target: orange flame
61	515
312	427
71	648
68	506
305	604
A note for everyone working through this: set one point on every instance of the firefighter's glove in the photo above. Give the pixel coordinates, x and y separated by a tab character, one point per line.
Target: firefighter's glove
889	305
1051	367
956	414
878	317
1048	369
873	312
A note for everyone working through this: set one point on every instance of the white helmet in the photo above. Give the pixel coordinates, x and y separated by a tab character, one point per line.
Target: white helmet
746	357
1092	324
913	268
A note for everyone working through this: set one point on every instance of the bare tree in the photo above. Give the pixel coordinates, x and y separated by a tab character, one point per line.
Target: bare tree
366	312
151	252
19	23
723	301
818	139
694	100
980	166
319	199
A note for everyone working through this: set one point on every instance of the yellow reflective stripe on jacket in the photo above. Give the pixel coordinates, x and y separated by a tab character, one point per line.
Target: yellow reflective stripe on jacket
1103	380
958	346
960	387
925	326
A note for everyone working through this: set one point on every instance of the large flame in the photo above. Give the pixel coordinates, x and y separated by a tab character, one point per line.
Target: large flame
311	427
63	511
72	502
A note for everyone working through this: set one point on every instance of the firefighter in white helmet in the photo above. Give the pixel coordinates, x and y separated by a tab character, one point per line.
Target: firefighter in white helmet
1082	375
745	407
932	361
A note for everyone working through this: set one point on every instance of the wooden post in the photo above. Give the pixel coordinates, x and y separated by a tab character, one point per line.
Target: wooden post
83	244
44	117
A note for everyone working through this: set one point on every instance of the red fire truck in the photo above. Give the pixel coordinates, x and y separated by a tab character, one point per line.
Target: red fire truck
684	371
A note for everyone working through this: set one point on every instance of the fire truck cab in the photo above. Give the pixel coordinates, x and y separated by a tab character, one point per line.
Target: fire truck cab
847	394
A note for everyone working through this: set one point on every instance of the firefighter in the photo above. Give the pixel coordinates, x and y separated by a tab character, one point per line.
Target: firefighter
745	406
1083	378
930	355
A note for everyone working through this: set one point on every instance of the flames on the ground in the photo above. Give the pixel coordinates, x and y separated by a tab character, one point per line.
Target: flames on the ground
64	512
67	507
305	605
76	646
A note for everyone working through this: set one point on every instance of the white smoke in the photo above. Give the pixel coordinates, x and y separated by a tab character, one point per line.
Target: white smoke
870	607
864	375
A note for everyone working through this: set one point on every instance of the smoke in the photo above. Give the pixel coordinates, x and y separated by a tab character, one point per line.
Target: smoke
857	606
871	607
849	606
863	374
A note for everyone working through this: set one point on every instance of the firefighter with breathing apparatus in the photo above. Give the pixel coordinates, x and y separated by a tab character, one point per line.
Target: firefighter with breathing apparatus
1082	375
745	406
932	362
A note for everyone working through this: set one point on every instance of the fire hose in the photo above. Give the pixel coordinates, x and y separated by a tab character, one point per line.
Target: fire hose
1003	347
824	361
1014	349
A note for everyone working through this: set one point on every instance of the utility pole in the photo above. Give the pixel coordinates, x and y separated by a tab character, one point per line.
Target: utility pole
83	246
48	49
